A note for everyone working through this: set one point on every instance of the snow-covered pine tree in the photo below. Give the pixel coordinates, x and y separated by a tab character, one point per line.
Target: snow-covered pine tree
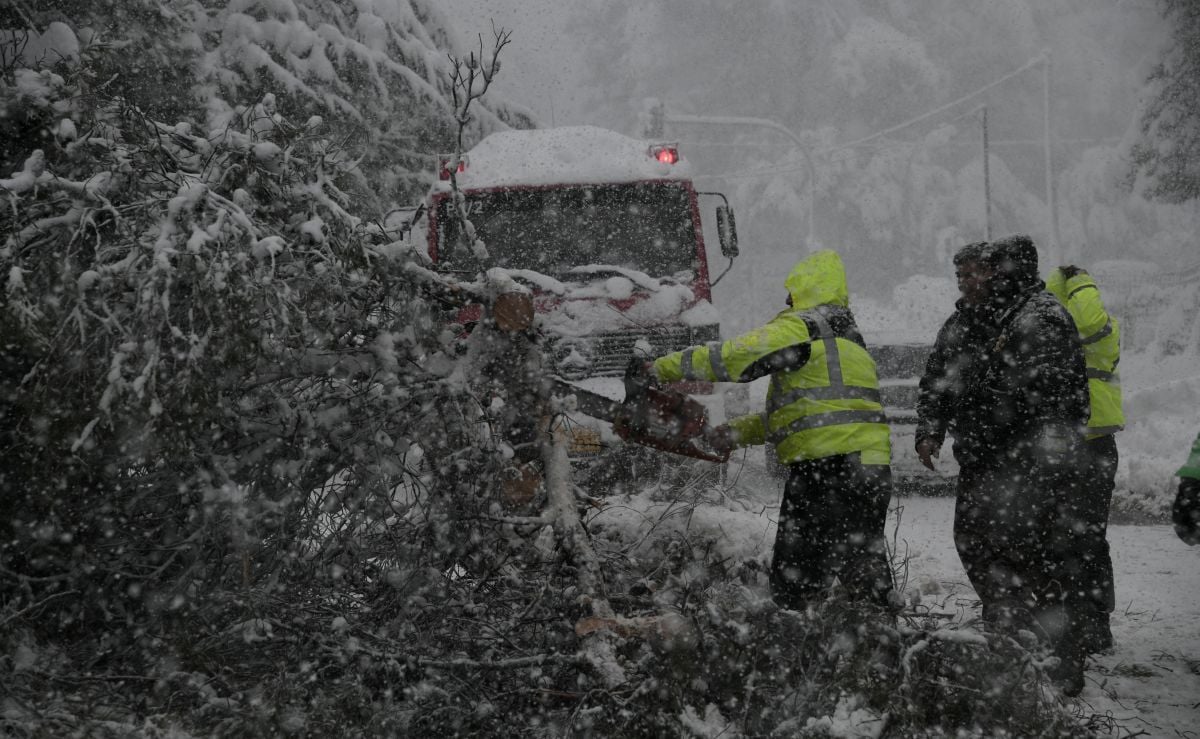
1165	156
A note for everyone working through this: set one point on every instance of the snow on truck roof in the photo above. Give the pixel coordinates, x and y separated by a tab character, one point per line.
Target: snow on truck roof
566	155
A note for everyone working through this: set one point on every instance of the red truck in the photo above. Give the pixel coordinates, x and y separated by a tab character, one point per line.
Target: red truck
606	229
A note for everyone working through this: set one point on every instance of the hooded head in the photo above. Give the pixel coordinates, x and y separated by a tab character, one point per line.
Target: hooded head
1014	263
818	280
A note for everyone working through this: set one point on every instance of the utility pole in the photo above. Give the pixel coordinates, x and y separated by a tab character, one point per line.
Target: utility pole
987	180
655	127
1051	210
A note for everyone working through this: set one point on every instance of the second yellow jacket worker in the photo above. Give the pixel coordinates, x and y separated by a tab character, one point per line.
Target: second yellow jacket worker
1100	335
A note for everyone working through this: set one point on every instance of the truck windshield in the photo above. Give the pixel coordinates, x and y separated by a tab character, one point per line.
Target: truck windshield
642	226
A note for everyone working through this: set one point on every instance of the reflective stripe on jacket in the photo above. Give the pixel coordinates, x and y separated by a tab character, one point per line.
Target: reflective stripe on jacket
825	402
1100	335
1191	468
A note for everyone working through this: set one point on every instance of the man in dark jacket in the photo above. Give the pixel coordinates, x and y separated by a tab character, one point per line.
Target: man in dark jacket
959	352
962	341
1029	402
1016	407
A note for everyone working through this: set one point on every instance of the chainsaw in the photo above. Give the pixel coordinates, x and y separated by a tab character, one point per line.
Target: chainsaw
652	416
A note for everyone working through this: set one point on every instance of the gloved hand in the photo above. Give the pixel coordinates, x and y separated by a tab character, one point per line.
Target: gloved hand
639	375
1070	270
927	450
1185	514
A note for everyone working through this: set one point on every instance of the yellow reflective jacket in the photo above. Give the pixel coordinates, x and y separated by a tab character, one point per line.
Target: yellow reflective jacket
1100	335
823	398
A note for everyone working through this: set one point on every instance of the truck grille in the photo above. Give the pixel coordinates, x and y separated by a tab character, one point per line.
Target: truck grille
607	354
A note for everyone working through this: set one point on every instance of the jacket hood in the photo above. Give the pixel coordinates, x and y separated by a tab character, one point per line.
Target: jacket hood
818	280
1014	261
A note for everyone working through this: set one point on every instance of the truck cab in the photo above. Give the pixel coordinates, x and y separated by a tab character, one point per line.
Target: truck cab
605	229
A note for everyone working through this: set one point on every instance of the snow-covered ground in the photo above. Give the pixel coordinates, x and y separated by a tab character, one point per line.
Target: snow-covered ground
1150	683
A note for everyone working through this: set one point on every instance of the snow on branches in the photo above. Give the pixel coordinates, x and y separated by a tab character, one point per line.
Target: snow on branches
207	337
205	323
360	66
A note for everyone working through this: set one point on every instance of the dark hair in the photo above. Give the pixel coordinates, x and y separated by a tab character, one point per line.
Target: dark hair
974	252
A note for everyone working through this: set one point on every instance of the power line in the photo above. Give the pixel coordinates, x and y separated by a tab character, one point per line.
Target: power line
1040	58
768	171
905	144
924	116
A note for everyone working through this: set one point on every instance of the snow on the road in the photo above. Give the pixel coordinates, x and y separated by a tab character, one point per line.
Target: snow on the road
1151	681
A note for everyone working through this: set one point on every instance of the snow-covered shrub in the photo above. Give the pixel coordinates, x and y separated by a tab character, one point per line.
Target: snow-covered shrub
238	430
711	655
170	301
216	369
725	661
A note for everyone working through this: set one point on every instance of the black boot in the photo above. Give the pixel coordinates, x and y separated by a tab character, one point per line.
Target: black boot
1069	649
1095	633
1063	630
1068	673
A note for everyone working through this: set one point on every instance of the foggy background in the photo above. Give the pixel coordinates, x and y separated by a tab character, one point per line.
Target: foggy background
869	115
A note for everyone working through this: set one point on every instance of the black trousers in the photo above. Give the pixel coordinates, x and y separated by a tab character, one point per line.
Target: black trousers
1021	539
831	526
1091	508
1003	523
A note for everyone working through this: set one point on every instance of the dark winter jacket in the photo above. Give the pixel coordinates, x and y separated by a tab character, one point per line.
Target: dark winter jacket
1028	393
961	344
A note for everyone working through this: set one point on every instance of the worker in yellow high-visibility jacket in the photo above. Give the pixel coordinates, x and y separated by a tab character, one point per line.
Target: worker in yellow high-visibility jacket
823	416
1100	335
